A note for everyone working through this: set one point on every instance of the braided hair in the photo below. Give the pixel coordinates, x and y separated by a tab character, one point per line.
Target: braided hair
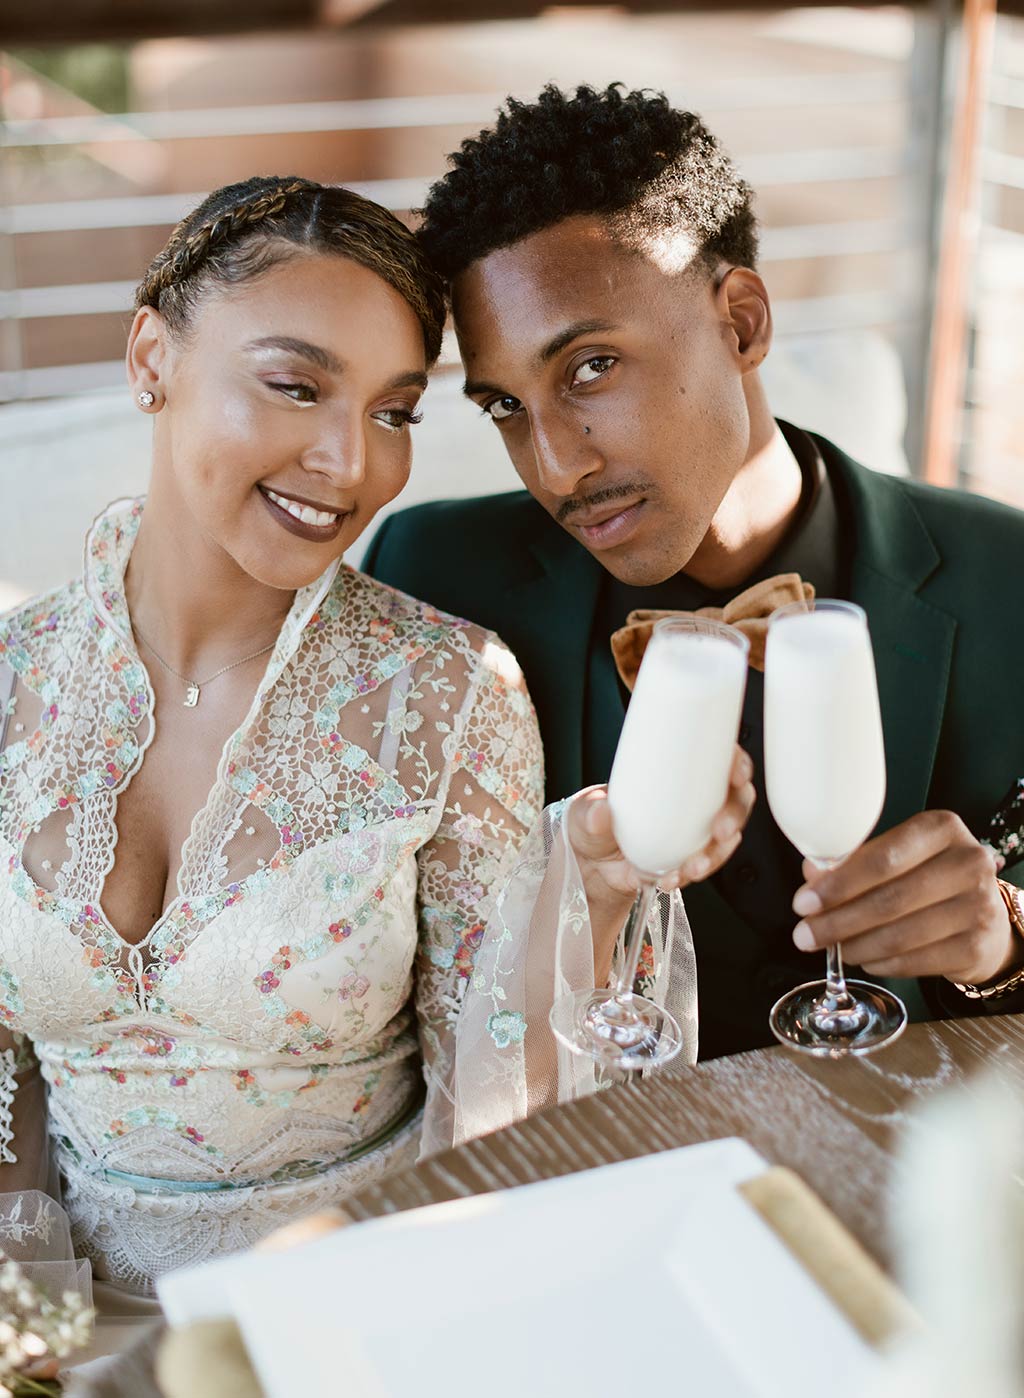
242	230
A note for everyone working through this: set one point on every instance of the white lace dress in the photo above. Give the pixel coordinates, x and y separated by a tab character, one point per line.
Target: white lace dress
262	1052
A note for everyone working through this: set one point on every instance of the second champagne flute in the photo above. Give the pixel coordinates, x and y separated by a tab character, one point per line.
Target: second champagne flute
669	780
825	779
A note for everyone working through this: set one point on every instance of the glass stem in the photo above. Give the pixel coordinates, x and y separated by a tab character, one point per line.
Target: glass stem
636	926
835	980
836	996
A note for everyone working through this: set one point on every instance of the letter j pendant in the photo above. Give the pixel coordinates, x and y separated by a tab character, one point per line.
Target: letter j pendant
191	696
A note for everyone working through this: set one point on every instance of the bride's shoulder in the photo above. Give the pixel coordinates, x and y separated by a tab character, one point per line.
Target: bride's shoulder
38	623
361	603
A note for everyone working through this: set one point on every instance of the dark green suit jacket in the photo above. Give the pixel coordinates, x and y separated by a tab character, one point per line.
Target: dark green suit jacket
938	572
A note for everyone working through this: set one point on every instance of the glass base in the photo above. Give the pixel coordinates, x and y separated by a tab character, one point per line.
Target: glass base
807	1020
630	1032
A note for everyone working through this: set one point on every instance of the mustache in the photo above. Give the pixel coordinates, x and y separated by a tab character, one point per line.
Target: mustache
630	490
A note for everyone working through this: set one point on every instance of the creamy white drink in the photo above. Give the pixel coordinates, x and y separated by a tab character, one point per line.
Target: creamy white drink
824	758
670	776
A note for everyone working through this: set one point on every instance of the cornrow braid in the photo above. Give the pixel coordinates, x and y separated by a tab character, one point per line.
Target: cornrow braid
242	230
186	250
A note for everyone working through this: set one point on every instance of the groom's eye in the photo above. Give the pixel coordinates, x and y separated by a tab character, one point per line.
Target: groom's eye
592	369
500	408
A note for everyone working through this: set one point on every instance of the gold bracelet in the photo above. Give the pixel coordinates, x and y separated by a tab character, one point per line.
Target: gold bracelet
1011	895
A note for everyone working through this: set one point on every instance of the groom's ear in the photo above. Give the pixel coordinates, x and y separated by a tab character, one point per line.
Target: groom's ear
745	313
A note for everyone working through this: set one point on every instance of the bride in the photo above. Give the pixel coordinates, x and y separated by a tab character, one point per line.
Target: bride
255	807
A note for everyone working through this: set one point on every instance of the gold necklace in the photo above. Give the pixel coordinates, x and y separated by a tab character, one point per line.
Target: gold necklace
194	687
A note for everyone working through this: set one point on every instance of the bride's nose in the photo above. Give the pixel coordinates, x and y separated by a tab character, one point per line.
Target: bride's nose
338	450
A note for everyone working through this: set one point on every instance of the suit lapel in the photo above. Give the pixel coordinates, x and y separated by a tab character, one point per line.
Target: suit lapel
893	556
554	603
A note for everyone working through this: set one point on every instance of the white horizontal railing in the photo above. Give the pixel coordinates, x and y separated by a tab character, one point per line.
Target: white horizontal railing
999	168
161	210
390	113
79	299
796	243
153	210
851	310
1006	90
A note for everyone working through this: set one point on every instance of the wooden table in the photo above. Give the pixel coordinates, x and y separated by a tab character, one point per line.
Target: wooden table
834	1123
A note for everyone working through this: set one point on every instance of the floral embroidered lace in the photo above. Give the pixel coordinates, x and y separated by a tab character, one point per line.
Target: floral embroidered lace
259	1053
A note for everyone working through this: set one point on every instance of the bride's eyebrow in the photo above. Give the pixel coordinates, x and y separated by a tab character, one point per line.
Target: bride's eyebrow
315	354
416	378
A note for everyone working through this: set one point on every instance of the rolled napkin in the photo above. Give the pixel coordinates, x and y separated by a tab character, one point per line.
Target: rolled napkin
748	612
206	1359
851	1279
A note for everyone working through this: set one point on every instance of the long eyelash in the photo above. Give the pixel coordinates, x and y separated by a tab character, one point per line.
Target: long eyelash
288	388
408	419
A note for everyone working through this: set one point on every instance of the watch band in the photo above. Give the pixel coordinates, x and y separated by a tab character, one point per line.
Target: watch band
1014	902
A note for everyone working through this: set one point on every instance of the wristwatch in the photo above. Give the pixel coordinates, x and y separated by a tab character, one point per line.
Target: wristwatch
1014	901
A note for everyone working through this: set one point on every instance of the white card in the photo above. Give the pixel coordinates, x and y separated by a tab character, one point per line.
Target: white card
654	1268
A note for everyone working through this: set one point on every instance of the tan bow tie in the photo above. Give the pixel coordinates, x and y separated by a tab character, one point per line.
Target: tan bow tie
749	613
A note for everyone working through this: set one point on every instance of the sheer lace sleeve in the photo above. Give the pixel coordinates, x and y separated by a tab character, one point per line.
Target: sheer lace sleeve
34	1229
24	1154
493	798
538	946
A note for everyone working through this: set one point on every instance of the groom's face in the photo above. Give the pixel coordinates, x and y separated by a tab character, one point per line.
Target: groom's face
615	386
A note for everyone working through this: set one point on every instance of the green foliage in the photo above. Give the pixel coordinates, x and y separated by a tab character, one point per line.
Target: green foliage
97	73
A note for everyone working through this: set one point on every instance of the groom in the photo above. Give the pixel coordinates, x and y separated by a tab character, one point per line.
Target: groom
602	254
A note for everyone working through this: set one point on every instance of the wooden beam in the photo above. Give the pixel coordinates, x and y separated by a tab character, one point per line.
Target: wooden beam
960	217
31	22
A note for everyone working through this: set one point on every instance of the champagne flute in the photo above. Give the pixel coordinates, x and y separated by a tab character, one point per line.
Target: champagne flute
669	780
825	781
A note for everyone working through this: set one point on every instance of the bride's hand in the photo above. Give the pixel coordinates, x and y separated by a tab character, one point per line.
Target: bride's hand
610	878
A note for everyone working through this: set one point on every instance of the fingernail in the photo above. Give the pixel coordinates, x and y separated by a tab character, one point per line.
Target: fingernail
803	937
697	867
806	902
1000	863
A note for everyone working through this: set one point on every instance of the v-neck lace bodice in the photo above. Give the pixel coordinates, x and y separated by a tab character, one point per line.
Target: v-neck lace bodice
266	1034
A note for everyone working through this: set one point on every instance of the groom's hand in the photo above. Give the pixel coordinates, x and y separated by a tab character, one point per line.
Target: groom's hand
608	875
920	900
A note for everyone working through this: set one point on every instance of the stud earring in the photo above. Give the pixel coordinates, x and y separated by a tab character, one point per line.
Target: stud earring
586	431
146	399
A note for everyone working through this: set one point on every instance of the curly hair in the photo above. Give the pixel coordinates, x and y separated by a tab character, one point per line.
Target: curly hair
629	156
242	230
